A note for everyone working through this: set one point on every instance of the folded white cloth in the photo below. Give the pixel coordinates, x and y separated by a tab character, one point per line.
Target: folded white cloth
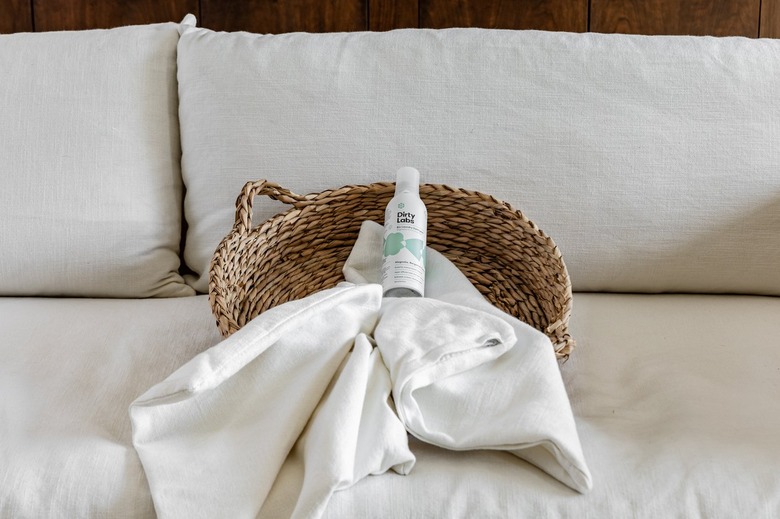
353	433
425	341
462	379
213	436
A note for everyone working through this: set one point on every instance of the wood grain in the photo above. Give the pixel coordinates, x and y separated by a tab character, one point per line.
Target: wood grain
15	16
385	15
696	17
552	15
278	16
55	15
770	19
714	17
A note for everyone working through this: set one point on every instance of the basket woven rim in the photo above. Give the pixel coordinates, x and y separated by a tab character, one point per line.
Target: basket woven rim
302	205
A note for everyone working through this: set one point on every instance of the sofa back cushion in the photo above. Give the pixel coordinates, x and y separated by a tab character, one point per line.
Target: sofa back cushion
91	193
653	162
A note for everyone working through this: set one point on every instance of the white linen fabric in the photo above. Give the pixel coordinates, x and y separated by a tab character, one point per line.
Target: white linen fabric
353	433
467	375
69	369
426	344
652	161
90	163
213	436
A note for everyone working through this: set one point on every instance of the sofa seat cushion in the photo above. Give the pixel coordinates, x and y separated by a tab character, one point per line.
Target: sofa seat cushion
675	399
69	369
91	193
651	161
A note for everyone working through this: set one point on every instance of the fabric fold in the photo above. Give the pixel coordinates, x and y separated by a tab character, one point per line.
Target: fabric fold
213	436
424	341
353	433
509	397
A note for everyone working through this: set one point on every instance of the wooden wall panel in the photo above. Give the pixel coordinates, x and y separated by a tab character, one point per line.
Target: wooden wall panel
54	15
277	16
15	16
385	15
770	19
698	17
715	17
553	15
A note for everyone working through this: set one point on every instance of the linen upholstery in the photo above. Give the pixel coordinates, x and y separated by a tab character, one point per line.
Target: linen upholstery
652	161
669	428
89	163
69	370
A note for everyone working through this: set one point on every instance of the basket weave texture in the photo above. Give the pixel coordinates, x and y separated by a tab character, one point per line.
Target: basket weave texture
517	267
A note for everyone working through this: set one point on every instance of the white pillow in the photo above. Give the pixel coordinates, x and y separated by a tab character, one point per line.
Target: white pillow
653	162
89	161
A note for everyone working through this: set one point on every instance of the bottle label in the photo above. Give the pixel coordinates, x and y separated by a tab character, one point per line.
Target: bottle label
403	254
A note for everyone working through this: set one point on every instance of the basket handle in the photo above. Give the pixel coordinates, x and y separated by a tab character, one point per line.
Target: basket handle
262	187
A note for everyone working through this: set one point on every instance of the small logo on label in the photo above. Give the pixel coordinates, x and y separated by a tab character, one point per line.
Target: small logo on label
401	205
404	217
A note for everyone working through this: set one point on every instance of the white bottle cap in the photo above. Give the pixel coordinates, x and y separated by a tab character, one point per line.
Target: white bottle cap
407	179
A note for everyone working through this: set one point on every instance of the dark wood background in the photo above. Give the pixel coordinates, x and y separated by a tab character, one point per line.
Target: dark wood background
751	18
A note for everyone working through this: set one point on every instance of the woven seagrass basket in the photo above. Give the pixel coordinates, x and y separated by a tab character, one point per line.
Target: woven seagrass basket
509	260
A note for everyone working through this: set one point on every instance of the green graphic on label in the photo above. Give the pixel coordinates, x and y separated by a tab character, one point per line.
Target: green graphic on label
416	247
395	243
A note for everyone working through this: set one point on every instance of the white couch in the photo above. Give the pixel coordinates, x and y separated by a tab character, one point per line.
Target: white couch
654	163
